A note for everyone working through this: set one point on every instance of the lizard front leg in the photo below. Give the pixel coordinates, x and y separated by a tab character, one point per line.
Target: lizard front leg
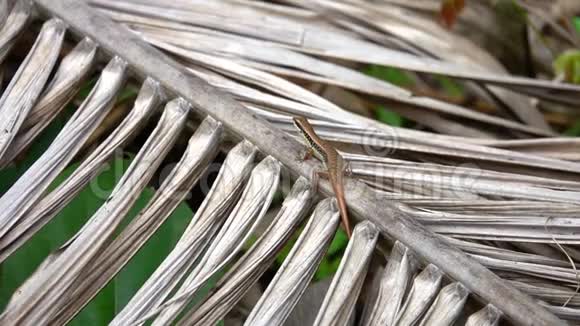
308	154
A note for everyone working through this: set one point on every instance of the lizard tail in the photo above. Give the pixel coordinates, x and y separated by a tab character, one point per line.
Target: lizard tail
344	217
343	209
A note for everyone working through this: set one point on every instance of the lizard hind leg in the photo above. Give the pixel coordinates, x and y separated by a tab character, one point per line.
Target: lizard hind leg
322	174
315	177
348	170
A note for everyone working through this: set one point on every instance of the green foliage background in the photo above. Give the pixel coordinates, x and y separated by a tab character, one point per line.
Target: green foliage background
117	293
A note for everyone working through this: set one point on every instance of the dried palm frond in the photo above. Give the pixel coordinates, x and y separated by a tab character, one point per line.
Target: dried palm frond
511	210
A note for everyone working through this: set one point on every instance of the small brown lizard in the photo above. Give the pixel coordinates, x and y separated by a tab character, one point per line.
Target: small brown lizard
334	163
